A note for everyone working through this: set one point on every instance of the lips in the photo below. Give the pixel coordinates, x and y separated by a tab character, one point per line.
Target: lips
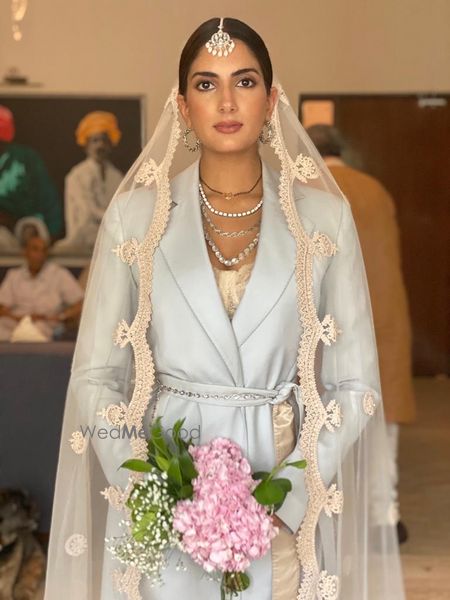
228	126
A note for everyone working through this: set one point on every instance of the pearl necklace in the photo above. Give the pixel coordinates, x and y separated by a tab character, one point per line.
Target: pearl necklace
229	262
222	232
222	213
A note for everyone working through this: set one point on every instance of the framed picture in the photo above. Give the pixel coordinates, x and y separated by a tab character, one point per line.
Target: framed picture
46	125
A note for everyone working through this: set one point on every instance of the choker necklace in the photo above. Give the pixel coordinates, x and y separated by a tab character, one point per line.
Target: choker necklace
222	232
231	195
222	213
229	262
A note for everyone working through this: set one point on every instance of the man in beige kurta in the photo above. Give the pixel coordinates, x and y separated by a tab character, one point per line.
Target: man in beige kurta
375	217
90	185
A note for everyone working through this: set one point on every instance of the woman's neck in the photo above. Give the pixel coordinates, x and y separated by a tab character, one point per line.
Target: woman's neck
230	172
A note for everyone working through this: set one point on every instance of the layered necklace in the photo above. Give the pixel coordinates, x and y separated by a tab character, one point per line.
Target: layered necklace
222	213
222	232
207	206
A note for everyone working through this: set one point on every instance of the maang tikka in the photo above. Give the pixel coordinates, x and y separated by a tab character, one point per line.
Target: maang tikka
220	43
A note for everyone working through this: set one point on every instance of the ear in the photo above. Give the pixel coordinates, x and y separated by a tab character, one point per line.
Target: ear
271	102
184	109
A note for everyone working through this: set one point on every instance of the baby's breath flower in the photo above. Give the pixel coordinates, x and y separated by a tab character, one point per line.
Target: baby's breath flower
149	531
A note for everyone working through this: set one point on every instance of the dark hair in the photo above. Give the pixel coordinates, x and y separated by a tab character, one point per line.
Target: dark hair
238	31
327	139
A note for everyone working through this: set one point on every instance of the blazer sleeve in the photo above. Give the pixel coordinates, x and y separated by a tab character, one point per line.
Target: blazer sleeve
101	378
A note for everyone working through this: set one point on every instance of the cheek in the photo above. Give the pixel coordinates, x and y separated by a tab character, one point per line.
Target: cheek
254	115
254	103
200	112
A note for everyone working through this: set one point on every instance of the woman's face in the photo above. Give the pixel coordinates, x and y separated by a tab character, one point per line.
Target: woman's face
226	101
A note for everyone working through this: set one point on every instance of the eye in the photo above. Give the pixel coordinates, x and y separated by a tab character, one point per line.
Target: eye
204	86
247	83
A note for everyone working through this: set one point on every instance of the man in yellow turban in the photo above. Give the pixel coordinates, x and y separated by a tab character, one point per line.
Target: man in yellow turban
98	122
90	185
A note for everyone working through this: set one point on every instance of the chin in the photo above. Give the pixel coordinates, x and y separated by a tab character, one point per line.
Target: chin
231	147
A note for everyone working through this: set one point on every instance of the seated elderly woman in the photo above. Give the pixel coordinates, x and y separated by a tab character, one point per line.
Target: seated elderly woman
42	290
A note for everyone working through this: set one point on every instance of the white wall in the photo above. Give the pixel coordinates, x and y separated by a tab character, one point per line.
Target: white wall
132	46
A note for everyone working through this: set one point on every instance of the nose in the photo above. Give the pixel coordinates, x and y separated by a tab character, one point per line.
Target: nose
227	101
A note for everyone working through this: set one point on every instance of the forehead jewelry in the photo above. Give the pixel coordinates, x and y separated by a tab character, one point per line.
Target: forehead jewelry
220	43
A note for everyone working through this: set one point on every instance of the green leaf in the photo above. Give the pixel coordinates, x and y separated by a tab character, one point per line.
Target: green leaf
260	475
140	528
152	460
244	581
269	492
176	434
284	484
186	491
174	471
151	453
135	464
173	489
187	466
156	427
162	463
299	464
177	428
159	442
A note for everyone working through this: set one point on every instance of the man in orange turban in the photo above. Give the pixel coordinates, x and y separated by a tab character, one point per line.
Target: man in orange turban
90	185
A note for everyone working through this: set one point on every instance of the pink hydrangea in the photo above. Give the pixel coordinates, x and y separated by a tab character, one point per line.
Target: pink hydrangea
223	527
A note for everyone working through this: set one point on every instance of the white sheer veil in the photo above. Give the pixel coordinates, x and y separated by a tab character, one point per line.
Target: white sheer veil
344	552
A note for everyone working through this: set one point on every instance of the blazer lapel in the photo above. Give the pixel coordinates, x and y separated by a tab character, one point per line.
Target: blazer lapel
274	263
184	250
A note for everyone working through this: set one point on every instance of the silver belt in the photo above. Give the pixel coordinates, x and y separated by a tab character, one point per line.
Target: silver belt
221	395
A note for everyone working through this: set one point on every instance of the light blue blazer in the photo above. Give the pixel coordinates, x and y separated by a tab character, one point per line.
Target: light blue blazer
198	350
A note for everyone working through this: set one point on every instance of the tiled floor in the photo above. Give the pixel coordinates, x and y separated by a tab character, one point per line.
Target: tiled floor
425	493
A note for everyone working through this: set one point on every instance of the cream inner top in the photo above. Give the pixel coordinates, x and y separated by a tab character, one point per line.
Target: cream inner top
232	284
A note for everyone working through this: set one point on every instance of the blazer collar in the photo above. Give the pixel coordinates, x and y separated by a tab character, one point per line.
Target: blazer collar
274	263
184	249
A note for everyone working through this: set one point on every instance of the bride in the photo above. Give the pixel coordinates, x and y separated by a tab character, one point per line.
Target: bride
227	287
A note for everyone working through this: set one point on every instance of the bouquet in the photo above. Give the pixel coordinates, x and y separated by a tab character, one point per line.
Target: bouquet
203	500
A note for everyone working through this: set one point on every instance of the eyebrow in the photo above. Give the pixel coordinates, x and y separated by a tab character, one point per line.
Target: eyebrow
234	74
